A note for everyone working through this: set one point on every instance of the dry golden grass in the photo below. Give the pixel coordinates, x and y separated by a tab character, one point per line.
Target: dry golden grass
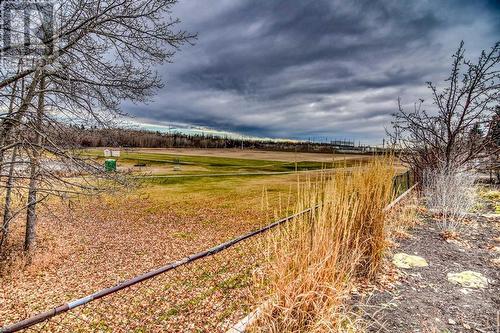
403	217
314	260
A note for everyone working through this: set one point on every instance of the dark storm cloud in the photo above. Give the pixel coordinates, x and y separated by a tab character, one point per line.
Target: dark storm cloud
295	68
290	34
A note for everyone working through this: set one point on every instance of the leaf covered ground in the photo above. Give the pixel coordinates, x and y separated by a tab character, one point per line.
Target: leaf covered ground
93	243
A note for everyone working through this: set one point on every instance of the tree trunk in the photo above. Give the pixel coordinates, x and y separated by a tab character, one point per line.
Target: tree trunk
7	213
4	137
31	219
30	235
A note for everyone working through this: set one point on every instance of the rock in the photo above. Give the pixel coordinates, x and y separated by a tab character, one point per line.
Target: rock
403	260
452	322
468	279
467	326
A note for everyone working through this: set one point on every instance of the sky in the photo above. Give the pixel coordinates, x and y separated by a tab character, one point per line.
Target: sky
312	68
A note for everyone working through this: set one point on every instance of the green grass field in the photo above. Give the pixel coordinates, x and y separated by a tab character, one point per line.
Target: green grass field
163	164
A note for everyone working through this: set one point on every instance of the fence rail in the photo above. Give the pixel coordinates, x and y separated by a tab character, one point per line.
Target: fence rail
142	298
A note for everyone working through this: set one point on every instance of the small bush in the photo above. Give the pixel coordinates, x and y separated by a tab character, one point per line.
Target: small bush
450	194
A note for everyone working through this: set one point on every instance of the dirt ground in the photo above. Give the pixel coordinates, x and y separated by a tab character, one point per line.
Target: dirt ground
253	154
423	300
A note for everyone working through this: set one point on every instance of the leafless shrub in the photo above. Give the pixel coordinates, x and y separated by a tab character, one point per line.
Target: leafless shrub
450	194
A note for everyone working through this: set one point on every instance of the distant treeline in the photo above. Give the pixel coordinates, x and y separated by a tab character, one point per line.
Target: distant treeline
96	137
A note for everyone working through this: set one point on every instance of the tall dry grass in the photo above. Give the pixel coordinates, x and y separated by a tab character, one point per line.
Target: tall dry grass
314	260
403	217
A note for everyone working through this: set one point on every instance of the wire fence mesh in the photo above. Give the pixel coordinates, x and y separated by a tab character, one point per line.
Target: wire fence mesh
206	292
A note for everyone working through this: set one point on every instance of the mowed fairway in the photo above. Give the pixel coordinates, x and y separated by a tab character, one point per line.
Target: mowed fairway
217	161
253	154
96	242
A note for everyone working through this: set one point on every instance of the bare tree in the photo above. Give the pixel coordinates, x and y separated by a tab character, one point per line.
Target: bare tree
98	53
446	136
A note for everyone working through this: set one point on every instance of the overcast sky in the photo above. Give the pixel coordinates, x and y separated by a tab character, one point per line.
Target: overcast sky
311	68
